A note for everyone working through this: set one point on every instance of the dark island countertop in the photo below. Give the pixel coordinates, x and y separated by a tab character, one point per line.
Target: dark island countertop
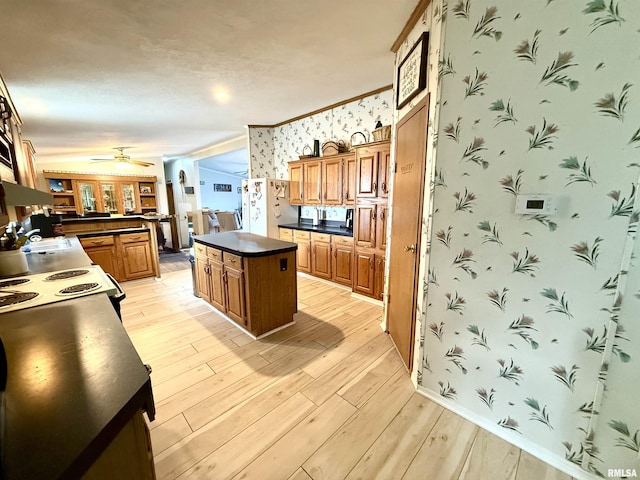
245	244
74	379
329	229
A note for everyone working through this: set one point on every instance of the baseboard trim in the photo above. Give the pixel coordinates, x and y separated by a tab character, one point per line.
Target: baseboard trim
529	447
375	301
324	280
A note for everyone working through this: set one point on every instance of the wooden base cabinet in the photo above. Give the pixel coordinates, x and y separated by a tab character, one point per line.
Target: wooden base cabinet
258	293
303	254
103	251
136	255
342	271
321	255
364	272
378	279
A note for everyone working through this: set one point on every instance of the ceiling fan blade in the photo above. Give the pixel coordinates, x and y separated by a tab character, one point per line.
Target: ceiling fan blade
138	162
96	160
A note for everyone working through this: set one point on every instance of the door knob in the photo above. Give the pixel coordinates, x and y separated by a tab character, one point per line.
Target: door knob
410	248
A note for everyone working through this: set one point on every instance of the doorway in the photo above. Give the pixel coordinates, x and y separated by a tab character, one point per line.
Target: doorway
406	223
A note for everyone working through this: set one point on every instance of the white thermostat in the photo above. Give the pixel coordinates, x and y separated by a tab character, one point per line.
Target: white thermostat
534	204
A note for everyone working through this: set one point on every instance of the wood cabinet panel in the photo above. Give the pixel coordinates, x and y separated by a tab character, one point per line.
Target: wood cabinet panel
234	261
365	225
321	259
134	237
384	162
367	171
350	181
101	241
332	181
312	190
286	234
364	272
216	273
136	260
378	287
381	226
342	264
296	178
303	255
235	299
203	278
106	257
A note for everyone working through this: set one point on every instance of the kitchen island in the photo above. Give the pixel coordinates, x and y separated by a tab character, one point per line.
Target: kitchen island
249	278
75	387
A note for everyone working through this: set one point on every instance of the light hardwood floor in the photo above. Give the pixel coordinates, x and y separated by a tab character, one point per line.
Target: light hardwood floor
327	398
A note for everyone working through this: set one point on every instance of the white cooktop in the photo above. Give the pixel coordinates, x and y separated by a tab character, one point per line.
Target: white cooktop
44	288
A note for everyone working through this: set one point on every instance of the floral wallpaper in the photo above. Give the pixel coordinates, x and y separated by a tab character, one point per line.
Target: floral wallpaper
326	213
271	149
527	321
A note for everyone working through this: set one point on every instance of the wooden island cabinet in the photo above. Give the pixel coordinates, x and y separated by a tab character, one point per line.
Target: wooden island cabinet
249	278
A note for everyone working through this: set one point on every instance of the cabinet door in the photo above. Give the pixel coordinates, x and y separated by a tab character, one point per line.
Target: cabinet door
109	197
203	278
88	200
128	197
234	282
378	290
105	257
332	181
384	160
136	259
321	260
350	181
312	191
303	256
295	183
217	285
365	225
364	272
342	264
367	168
381	226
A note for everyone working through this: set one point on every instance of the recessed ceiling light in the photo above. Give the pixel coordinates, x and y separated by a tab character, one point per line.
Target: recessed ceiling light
35	106
221	95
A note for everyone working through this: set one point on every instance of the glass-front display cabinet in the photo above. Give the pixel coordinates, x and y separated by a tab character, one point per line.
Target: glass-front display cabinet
128	197
109	197
87	195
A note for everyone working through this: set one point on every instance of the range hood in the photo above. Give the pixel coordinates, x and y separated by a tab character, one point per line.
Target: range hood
19	196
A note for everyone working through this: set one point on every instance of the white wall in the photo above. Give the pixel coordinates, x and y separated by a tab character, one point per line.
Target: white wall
183	202
228	201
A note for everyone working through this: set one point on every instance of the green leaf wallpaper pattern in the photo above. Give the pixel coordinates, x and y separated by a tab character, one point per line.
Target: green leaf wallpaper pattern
612	107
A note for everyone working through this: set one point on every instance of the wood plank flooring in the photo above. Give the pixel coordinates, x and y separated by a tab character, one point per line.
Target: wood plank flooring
327	398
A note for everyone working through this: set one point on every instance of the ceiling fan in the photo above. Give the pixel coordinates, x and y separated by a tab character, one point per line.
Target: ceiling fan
122	160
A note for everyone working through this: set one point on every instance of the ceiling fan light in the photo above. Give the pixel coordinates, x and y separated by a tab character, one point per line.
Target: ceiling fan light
122	165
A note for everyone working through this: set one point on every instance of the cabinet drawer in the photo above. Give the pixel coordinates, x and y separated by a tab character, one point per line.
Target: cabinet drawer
320	237
302	235
214	254
200	249
286	234
340	240
134	237
97	241
233	261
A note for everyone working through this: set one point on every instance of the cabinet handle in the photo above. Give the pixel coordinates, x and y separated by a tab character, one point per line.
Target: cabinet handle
325	196
371	262
135	238
335	253
373	215
375	186
384	187
410	248
382	215
97	242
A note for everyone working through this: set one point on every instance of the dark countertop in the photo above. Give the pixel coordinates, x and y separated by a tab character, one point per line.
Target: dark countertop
120	231
146	218
74	380
245	244
307	227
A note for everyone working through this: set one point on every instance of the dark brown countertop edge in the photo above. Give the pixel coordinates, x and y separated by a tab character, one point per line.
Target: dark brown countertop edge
112	219
103	233
240	253
343	232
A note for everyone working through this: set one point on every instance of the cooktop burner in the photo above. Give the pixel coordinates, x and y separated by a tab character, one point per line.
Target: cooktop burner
79	288
67	274
13	282
14	298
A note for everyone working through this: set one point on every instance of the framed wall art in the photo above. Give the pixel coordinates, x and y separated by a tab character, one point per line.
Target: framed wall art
222	187
412	71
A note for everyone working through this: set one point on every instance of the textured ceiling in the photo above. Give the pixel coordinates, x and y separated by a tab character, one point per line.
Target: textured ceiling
89	75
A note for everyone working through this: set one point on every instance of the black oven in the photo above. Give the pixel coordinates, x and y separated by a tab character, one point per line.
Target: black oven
118	297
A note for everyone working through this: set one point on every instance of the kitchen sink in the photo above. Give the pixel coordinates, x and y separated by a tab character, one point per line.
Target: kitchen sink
50	245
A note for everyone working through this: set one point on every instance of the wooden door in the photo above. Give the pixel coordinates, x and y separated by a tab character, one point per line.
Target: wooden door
295	183
378	282
106	257
363	272
350	180
381	226
364	232
216	274
367	173
321	260
312	191
342	264
234	281
136	259
303	256
384	162
332	181
411	147
202	278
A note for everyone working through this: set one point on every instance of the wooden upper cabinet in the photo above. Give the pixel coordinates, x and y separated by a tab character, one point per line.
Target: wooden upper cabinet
312	176
296	172
332	181
373	170
381	226
350	180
